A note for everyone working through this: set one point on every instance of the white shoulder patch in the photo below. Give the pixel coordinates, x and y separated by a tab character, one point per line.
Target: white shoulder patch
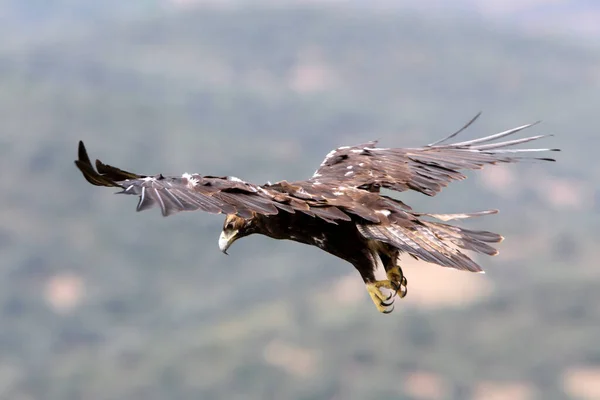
376	148
234	179
190	179
328	156
302	191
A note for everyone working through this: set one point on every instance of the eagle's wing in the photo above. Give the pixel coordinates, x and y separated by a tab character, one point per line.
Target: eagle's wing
425	169
192	192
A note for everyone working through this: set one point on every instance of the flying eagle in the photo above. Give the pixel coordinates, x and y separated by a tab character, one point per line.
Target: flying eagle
341	209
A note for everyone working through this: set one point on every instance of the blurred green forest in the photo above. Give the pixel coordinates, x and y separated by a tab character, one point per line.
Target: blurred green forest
100	302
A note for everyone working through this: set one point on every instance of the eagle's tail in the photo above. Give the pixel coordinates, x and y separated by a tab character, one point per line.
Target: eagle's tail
466	239
105	175
437	242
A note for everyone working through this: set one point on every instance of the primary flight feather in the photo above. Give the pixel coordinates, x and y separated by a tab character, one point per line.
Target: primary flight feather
340	209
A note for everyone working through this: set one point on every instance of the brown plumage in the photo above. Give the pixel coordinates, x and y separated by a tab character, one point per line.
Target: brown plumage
340	208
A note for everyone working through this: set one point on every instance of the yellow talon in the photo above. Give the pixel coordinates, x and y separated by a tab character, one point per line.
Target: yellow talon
396	283
396	276
382	301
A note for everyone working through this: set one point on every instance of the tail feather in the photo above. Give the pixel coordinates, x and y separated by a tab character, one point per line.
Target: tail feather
466	239
449	217
421	243
436	242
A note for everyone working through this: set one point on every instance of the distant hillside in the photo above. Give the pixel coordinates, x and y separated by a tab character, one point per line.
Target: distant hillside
98	301
576	18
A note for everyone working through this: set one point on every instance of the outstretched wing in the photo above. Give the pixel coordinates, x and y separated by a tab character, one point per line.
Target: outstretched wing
228	195
186	193
425	169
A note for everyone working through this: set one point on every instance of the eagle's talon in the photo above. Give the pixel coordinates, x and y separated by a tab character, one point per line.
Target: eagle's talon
401	289
398	281
381	300
402	292
386	303
388	311
396	275
390	296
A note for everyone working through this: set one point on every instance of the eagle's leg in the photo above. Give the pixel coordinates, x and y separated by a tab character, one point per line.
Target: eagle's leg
396	276
366	264
394	272
382	301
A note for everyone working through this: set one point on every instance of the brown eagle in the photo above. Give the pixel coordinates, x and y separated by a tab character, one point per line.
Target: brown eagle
341	209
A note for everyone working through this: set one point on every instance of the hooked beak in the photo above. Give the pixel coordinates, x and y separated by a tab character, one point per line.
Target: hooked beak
226	240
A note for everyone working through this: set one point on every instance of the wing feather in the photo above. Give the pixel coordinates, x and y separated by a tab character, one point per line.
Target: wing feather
211	194
426	169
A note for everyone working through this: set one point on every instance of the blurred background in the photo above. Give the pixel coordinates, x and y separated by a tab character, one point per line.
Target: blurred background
100	302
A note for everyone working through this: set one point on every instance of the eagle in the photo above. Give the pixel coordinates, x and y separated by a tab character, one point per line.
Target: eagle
341	209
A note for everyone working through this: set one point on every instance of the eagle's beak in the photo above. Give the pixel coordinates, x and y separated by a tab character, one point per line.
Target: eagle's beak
226	239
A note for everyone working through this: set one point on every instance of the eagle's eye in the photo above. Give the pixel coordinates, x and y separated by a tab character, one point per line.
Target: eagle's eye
229	226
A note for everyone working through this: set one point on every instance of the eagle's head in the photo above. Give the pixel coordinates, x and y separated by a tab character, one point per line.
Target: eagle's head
234	228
